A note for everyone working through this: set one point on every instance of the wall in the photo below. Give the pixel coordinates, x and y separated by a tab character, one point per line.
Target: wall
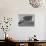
45	28
12	8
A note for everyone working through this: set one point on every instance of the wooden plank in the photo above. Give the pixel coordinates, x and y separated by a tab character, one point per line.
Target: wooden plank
25	44
44	44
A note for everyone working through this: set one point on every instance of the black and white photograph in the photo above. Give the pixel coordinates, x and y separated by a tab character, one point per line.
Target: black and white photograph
26	19
36	3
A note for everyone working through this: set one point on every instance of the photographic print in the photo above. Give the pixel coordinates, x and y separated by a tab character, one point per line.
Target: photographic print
36	3
26	19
